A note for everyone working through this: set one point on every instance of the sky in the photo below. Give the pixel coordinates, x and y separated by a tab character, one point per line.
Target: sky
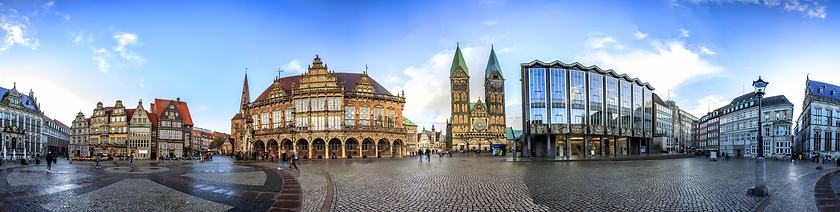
699	53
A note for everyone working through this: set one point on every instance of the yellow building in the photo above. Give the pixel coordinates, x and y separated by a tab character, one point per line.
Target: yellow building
321	113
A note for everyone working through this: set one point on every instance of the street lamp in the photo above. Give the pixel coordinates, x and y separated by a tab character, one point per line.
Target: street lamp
760	188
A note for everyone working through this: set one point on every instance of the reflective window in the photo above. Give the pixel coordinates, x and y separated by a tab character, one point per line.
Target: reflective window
577	91
612	101
596	99
558	96
537	95
626	104
648	110
638	107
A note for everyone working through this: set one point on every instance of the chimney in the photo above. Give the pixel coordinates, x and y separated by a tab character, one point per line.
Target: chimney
178	101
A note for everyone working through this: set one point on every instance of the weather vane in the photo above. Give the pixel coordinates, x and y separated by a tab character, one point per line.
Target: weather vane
246	70
279	72
366	68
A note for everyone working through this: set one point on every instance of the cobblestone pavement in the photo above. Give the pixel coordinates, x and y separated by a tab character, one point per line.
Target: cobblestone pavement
465	183
459	183
218	185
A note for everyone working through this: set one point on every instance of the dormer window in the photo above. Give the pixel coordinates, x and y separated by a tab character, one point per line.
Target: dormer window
833	92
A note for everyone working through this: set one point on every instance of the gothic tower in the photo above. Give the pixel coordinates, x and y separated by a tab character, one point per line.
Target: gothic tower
459	77
494	94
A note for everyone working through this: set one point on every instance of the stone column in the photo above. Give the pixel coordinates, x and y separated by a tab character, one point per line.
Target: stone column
601	145
568	151
585	145
343	150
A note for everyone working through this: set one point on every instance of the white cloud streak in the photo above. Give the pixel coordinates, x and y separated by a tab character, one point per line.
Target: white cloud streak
811	9
597	43
707	51
125	40
649	66
683	33
17	30
294	66
639	35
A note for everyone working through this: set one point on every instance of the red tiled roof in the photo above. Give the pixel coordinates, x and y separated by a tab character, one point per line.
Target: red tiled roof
129	113
196	133
182	108
152	118
109	110
349	80
237	116
57	123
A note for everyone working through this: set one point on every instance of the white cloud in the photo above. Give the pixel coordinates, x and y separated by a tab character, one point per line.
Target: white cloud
812	9
488	23
683	33
670	57
427	89
125	40
639	35
707	51
597	43
707	104
17	31
102	56
294	66
142	79
80	39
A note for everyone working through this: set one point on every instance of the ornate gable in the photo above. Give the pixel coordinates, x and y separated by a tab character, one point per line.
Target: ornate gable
364	85
318	78
277	90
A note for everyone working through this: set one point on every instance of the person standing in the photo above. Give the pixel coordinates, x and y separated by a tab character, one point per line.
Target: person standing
98	161
49	161
131	160
420	155
428	156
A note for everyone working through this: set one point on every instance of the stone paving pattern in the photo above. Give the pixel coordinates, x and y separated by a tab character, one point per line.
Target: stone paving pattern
459	183
465	183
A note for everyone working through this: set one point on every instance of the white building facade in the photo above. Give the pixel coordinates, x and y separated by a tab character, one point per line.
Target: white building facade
819	122
21	120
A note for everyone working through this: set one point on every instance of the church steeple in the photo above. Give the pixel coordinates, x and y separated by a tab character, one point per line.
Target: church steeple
246	96
493	65
458	61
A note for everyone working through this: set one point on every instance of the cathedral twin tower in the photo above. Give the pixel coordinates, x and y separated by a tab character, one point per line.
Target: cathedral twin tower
476	125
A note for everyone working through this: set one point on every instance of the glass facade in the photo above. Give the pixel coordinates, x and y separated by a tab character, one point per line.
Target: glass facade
577	90
596	99
537	96
558	96
606	114
612	101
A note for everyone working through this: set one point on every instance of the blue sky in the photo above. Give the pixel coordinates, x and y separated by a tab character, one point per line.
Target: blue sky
699	53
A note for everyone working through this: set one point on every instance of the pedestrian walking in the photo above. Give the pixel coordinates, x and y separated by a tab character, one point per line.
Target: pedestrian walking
284	160
131	160
49	161
272	157
295	160
420	155
428	156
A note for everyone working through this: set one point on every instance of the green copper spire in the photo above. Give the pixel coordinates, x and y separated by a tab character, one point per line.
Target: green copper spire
458	61
493	64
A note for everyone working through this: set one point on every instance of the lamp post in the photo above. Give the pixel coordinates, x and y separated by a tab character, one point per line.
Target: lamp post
760	188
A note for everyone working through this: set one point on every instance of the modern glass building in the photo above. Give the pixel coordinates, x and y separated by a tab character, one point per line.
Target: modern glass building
571	110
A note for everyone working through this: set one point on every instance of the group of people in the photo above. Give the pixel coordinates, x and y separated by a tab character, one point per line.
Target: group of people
286	158
428	154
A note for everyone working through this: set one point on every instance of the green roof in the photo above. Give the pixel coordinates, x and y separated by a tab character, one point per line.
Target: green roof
408	122
493	65
458	61
472	105
510	133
